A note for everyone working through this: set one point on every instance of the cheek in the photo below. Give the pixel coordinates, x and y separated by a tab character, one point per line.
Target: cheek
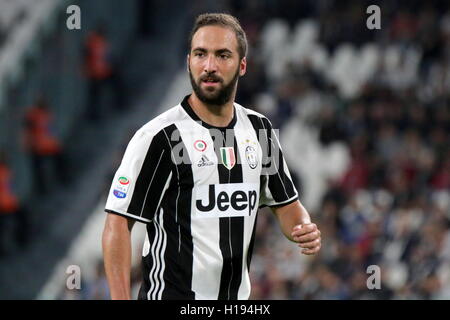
233	72
194	70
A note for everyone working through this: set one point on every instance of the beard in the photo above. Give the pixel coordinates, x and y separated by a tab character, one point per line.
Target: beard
219	96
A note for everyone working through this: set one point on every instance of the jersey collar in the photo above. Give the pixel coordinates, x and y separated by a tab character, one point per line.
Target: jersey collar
187	107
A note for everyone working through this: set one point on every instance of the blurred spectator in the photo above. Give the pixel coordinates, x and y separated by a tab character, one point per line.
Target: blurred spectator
44	147
101	74
14	224
98	288
441	176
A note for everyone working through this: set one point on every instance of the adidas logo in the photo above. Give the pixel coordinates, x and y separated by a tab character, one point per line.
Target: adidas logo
204	161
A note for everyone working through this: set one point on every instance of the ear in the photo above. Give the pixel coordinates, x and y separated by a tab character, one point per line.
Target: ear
243	66
187	62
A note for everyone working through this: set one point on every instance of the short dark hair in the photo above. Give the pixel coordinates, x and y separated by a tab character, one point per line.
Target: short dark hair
223	20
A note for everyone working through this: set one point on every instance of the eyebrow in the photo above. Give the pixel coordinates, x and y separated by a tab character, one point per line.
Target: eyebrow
224	50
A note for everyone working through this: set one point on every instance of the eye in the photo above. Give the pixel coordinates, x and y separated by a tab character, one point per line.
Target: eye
224	56
199	54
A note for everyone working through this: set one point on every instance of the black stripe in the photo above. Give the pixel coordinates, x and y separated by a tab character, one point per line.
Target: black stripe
231	238
279	183
227	267
281	187
177	223
252	244
152	178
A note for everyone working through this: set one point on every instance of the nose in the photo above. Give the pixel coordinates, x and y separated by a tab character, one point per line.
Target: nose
210	64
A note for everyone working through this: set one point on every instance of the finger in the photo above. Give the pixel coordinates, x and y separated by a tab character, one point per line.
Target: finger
303	229
311	251
308	237
310	245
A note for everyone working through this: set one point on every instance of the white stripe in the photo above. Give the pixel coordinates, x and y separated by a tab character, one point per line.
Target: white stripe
280	203
163	262
130	215
166	185
146	247
157	282
179	239
229	242
231	251
154	245
245	286
157	261
149	185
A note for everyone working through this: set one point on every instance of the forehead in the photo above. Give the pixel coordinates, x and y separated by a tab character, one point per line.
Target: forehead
214	38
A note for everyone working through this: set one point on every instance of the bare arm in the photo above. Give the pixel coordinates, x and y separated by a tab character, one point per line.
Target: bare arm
116	244
296	225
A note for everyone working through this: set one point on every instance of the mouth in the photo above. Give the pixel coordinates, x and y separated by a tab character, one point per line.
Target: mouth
210	81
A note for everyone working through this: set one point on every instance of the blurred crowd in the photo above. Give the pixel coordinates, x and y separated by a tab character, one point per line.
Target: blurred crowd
42	145
391	206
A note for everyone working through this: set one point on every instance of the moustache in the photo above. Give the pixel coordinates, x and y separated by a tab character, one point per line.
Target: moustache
211	77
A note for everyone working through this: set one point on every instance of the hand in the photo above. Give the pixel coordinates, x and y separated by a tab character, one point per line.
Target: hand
308	237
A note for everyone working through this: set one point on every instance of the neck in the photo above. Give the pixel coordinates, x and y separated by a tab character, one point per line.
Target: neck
217	116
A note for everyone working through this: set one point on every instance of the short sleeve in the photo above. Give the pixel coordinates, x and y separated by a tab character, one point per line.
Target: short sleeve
142	178
277	187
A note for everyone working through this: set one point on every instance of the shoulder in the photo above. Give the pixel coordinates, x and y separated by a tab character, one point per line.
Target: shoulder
158	126
162	122
258	120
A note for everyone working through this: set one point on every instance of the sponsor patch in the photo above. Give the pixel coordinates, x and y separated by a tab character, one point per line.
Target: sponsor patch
119	194
121	187
226	200
204	162
228	157
200	145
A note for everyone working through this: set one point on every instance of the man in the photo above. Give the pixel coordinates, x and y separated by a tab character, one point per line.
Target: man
14	221
196	176
101	74
44	146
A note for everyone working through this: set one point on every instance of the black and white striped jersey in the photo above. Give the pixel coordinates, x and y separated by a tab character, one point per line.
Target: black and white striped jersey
198	189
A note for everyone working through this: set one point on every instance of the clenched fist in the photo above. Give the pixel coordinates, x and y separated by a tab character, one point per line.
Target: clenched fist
308	237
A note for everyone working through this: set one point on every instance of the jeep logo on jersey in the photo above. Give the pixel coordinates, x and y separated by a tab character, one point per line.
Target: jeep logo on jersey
226	200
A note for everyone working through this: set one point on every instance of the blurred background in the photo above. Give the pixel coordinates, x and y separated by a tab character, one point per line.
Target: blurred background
364	119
